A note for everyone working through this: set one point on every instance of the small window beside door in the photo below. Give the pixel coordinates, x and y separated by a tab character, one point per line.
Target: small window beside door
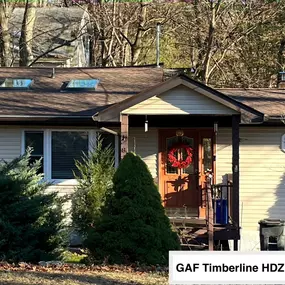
207	154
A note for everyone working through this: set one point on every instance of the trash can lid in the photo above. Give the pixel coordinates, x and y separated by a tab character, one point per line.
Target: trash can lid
272	222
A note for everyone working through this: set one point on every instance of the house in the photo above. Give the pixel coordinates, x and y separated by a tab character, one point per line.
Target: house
235	132
60	38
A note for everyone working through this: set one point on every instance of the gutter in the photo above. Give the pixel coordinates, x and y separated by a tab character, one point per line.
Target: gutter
275	119
43	116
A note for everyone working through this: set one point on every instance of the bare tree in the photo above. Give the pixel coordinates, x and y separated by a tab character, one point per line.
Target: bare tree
121	30
215	29
26	39
6	9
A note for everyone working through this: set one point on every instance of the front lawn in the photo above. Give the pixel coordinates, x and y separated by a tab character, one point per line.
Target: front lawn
65	275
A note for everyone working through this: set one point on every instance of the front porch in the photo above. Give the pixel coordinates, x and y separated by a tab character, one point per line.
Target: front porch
184	191
182	117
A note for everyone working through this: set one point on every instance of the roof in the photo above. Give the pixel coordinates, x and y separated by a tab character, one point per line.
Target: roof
270	101
53	26
116	85
46	99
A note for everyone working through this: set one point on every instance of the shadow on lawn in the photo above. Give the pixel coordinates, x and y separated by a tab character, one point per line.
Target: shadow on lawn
52	278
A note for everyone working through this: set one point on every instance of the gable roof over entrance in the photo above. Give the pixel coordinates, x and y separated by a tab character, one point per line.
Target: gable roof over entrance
112	113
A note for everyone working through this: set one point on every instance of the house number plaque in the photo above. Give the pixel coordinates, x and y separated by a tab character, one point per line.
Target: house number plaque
283	143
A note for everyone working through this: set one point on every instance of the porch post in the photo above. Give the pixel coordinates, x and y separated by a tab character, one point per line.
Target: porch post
235	171
124	134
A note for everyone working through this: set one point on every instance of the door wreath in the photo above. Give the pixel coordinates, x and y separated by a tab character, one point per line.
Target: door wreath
180	163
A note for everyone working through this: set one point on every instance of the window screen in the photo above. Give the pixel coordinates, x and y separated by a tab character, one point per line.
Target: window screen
35	139
67	147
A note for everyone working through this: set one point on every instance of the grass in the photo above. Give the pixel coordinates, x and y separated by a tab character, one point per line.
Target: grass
69	257
54	277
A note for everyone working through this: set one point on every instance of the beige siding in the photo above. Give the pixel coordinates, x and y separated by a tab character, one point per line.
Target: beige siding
262	172
10	143
262	166
66	189
180	100
145	144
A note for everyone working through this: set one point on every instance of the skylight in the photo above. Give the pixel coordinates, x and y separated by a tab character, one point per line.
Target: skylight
16	83
82	84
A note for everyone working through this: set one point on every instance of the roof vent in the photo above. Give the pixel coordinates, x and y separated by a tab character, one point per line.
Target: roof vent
81	84
16	83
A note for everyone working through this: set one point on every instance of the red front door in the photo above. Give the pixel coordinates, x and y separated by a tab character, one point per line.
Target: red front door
181	188
178	186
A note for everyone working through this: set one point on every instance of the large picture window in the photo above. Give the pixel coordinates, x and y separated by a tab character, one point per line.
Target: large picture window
60	149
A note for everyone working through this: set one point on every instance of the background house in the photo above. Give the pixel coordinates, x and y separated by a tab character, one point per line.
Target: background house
60	36
53	108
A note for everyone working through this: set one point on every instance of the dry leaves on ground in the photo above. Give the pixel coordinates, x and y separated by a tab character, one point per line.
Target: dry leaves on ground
64	274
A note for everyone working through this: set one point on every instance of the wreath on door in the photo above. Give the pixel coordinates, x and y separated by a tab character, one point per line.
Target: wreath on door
180	163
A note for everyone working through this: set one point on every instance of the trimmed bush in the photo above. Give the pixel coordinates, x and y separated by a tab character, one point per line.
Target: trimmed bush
94	183
134	227
30	219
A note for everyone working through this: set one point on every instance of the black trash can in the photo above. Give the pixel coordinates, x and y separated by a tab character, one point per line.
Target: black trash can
272	234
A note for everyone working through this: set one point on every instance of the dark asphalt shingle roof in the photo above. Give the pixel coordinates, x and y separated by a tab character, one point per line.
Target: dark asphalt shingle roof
116	84
270	101
45	98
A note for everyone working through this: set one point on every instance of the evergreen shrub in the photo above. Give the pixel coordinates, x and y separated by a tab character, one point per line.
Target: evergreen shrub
133	227
31	220
96	172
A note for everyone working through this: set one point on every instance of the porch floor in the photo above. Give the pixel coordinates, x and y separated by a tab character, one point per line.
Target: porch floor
182	212
192	229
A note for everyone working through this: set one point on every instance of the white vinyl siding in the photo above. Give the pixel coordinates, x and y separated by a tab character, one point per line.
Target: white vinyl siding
179	100
262	172
10	143
145	144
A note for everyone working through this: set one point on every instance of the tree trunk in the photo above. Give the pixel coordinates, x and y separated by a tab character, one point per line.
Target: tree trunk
280	57
137	45
26	39
5	39
209	43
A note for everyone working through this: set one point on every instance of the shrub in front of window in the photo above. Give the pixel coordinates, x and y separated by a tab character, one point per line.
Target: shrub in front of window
96	171
133	227
31	221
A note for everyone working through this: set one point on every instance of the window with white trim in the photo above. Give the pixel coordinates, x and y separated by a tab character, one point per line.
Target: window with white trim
59	149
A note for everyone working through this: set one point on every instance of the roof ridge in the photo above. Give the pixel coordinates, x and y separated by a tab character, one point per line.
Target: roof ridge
84	68
251	88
